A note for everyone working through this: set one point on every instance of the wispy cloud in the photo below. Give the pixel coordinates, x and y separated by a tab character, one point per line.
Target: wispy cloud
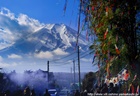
86	60
6	65
14	56
43	55
1	58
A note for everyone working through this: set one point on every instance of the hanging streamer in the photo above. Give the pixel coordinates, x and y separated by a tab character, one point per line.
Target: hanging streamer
83	26
99	63
87	36
117	50
106	11
117	38
92	8
65	6
78	32
72	13
100	25
137	89
95	31
132	88
106	33
94	58
108	55
135	77
107	70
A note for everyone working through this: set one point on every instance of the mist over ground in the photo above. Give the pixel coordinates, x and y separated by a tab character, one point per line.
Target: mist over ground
37	80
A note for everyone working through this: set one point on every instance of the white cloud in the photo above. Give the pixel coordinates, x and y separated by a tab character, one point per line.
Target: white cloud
21	20
32	23
50	55
1	58
43	55
15	27
14	56
6	12
59	51
5	65
86	60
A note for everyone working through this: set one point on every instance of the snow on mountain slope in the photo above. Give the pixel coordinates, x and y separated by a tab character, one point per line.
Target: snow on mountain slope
55	36
51	37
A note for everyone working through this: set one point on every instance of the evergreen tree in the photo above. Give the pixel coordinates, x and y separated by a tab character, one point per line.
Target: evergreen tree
87	83
116	24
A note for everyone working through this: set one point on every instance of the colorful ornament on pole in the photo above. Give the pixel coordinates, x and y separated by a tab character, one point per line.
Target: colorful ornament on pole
107	70
92	8
106	11
119	76
117	50
105	33
135	77
138	90
125	75
132	88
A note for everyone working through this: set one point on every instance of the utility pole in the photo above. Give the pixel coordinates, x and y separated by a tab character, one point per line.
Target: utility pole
48	72
71	75
78	45
79	70
74	70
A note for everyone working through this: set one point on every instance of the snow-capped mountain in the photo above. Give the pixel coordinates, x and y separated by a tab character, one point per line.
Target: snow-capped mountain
48	38
26	43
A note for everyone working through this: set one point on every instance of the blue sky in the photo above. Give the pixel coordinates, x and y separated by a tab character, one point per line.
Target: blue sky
46	11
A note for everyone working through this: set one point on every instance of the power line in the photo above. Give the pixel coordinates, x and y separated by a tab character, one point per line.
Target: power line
62	57
70	61
54	60
89	51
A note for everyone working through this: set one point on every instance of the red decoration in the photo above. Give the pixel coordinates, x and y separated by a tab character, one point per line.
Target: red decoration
117	50
95	30
126	76
100	25
132	88
92	8
124	91
106	9
105	33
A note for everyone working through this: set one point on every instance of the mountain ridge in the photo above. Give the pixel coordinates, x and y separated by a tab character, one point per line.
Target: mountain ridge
48	38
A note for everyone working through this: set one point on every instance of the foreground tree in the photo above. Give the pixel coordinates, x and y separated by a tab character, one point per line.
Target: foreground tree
88	81
116	25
